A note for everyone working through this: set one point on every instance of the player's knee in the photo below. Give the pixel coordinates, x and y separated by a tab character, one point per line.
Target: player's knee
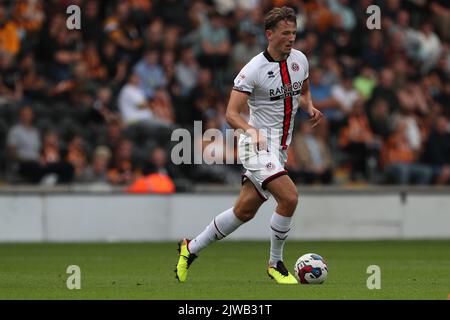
290	201
244	214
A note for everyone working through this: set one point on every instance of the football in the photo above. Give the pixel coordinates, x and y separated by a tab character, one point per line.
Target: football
311	268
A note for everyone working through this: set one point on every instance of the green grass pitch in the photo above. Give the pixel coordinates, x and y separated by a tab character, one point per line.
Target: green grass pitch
226	270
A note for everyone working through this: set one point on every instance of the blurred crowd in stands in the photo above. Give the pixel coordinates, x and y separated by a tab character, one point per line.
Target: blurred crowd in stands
98	105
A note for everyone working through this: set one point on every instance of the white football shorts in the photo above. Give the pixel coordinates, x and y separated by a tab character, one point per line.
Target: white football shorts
261	166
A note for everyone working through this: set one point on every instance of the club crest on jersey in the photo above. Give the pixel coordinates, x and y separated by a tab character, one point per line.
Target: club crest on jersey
270	166
295	67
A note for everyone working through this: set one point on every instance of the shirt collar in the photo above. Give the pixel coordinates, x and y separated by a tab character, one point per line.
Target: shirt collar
269	57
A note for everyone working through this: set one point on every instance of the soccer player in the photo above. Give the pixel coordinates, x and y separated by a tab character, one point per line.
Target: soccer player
271	84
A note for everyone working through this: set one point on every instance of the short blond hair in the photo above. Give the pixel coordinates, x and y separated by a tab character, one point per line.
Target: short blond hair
277	14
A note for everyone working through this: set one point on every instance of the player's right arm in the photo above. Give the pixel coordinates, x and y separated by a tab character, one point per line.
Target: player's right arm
236	104
244	85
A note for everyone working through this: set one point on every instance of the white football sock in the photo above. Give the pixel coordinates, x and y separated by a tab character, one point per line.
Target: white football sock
279	228
221	226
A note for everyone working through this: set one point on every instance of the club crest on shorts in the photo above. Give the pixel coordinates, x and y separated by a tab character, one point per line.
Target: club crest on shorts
270	166
295	67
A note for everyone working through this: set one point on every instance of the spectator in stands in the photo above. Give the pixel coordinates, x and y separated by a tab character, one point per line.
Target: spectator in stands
342	12
323	98
385	90
410	106
309	45
244	50
114	134
55	168
79	88
122	31
202	96
158	162
11	87
95	69
345	94
152	182
390	8
173	12
357	140
141	11
331	70
398	37
365	82
97	172
34	83
429	47
9	35
91	22
312	154
146	119
187	70
401	67
379	118
123	169
24	145
443	98
64	52
401	26
215	45
116	67
412	100
226	7
395	53
346	47
168	62
151	73
102	110
437	150
158	159
171	39
133	104
254	23
213	168
161	106
319	16
432	87
77	156
399	159
29	16
441	17
154	33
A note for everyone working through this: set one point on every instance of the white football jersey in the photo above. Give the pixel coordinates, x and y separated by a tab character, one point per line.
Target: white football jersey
273	88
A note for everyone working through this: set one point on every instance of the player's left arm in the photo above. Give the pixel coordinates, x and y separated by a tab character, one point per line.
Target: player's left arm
305	102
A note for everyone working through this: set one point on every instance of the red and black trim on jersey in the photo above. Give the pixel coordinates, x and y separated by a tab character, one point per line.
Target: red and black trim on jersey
269	57
241	90
288	105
